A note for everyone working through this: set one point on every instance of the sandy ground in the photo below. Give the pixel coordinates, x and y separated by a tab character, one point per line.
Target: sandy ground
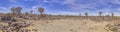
69	25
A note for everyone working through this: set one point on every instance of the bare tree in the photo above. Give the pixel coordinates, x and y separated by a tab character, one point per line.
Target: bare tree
41	10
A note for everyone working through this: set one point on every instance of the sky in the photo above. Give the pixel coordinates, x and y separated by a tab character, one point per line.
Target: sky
63	7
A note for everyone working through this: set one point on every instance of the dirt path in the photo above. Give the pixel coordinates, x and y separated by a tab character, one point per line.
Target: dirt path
69	25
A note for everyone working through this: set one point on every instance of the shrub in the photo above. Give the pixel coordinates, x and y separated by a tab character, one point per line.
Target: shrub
114	29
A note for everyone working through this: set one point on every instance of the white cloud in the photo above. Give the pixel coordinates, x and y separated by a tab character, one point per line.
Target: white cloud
118	9
58	12
72	2
81	5
35	7
28	0
115	1
45	1
3	8
18	0
12	0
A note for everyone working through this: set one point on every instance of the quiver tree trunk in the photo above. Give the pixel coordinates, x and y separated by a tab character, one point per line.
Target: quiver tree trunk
112	14
41	14
100	14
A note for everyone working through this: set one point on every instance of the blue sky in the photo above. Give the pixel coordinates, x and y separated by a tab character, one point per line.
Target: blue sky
71	7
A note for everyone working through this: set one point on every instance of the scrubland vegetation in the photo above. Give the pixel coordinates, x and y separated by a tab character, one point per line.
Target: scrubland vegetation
15	21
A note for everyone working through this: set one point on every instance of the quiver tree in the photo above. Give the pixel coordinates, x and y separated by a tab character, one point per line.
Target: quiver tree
100	14
18	9
79	14
26	13
86	14
41	10
13	10
112	15
31	11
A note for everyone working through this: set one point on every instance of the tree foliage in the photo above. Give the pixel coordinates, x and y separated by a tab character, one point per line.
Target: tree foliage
16	10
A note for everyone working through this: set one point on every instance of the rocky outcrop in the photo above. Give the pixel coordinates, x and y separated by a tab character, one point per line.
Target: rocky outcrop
12	24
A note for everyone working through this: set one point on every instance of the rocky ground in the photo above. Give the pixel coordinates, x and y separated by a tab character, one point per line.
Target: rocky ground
66	24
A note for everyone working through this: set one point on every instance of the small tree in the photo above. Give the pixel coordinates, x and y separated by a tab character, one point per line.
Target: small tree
31	11
41	10
26	13
13	10
86	14
79	14
18	9
112	15
100	13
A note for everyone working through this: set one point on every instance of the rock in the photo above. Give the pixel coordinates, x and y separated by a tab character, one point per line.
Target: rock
71	30
8	19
